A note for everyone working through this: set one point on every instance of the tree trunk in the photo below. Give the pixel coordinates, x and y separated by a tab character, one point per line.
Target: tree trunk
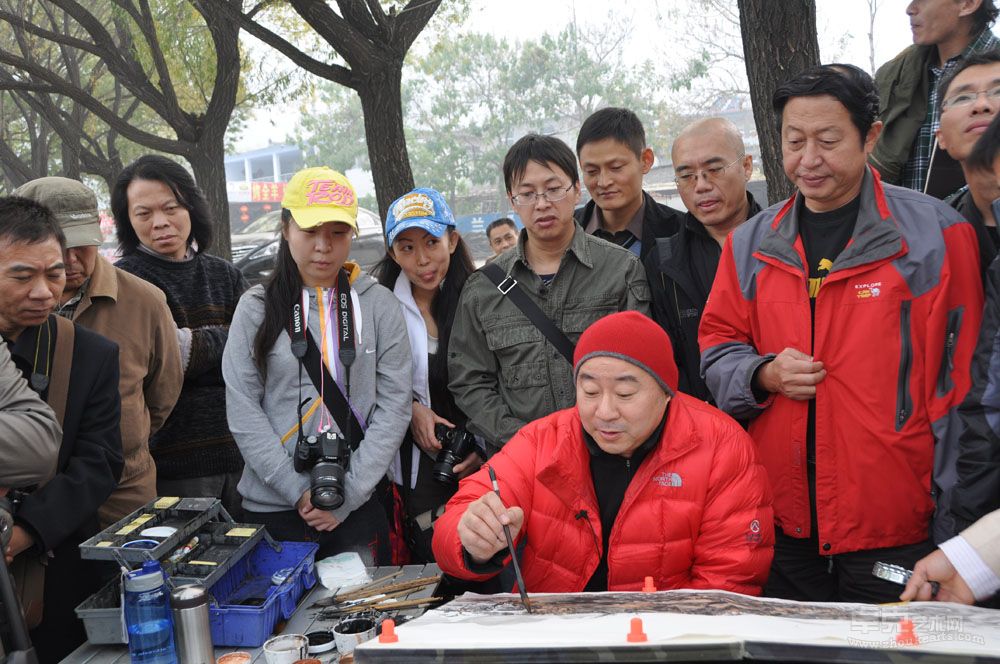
382	106
70	161
208	164
779	41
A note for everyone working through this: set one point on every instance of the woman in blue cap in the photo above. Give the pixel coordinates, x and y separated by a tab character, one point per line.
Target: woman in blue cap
426	266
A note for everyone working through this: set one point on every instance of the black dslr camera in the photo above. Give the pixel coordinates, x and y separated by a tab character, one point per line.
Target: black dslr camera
325	456
456	444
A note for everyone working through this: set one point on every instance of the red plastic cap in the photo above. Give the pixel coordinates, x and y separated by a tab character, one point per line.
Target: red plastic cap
388	634
906	636
636	635
648	586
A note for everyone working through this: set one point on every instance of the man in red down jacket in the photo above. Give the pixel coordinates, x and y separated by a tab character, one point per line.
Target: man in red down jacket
842	323
634	481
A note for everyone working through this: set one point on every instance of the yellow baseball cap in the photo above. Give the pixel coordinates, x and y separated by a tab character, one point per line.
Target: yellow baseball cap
319	195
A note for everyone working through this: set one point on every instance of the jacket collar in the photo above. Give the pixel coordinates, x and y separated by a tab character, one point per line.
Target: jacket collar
672	252
595	217
570	460
578	246
103	282
875	235
416	329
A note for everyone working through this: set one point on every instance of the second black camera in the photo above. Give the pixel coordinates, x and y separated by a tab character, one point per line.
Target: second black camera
456	444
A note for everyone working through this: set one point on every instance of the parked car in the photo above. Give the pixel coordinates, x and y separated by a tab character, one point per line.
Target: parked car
255	246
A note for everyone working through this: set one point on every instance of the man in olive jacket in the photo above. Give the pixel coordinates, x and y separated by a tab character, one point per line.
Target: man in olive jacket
29	431
129	311
503	372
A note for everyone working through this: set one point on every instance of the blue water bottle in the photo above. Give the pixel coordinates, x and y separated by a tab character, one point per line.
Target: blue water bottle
147	616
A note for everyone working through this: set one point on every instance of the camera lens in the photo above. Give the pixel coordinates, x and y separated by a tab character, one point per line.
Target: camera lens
457	445
444	467
327	485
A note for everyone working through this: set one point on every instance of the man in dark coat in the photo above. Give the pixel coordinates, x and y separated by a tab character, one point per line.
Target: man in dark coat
977	489
53	519
712	169
970	99
614	156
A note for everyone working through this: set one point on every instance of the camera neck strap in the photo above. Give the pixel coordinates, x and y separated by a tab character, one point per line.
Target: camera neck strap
507	285
310	357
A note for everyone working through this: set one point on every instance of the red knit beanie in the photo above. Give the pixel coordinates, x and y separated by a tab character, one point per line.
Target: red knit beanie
634	338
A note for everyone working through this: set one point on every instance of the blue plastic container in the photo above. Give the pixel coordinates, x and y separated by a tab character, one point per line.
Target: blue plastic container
248	605
147	616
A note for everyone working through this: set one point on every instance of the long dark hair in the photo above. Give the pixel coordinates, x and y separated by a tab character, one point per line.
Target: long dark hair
179	181
282	290
445	304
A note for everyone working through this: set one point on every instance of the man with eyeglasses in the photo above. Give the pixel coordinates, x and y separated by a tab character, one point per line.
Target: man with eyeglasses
977	489
712	170
945	32
842	324
970	100
614	158
504	372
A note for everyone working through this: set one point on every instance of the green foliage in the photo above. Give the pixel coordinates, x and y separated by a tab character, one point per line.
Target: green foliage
469	96
332	129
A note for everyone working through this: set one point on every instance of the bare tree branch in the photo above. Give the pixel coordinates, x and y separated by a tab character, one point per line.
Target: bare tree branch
332	72
55	85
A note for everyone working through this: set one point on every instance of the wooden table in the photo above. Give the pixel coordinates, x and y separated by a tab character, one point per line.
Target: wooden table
303	621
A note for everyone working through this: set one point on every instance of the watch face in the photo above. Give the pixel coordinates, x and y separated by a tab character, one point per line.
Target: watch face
893	573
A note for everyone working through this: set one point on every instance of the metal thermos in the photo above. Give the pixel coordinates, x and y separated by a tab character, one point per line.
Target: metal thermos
193	634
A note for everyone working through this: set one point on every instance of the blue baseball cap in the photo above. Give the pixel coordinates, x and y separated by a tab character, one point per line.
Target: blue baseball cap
421	208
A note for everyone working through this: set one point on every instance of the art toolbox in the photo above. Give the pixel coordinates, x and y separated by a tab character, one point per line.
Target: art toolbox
195	540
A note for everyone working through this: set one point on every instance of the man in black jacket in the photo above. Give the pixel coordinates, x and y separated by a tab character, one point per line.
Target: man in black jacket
970	99
712	170
977	488
614	156
53	519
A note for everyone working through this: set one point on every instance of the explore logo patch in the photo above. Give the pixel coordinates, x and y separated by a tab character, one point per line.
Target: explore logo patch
868	291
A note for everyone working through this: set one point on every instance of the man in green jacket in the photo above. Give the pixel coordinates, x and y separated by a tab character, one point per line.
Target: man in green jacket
503	372
944	33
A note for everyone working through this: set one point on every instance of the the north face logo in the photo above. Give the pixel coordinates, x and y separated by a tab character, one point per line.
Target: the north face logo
668	479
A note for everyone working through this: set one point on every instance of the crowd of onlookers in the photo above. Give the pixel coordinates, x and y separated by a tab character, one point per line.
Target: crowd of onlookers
759	400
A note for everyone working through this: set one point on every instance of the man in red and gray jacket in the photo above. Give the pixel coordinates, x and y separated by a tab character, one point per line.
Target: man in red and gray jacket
842	323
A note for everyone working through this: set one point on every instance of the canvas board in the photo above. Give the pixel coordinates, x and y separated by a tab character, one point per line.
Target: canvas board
682	624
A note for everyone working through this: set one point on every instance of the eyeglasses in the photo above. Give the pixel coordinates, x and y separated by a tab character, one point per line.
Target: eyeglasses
711	174
970	97
552	195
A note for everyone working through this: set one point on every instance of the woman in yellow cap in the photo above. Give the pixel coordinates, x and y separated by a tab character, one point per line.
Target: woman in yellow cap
317	373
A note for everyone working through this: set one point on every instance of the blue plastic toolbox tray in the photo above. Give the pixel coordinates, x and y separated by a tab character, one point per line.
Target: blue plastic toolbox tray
248	605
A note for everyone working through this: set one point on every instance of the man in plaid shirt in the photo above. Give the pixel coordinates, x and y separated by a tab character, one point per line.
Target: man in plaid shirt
945	32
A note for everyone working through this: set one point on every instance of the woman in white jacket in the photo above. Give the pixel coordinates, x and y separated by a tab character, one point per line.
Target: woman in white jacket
426	266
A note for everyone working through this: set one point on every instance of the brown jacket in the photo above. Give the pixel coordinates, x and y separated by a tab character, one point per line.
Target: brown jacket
134	314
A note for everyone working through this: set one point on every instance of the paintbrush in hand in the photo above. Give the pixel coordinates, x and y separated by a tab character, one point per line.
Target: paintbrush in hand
510	546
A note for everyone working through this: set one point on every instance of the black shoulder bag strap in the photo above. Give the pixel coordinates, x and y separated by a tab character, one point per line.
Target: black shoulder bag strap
305	349
507	285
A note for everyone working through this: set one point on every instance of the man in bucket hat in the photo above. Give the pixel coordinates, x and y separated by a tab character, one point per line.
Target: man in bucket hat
636	480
